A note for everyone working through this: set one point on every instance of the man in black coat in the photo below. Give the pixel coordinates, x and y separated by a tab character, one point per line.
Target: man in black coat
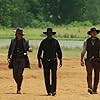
51	50
92	60
17	57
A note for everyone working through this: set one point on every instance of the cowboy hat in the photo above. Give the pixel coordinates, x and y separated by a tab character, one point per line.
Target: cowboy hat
19	31
49	30
93	29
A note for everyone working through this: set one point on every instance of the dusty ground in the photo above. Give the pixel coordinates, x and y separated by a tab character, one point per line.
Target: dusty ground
71	82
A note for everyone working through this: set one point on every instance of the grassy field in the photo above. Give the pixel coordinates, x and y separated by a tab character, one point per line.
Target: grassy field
63	32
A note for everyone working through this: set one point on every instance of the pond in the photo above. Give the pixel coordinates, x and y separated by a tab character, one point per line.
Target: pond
35	43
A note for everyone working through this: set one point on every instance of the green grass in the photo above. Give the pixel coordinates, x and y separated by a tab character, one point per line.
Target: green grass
65	32
71	53
3	50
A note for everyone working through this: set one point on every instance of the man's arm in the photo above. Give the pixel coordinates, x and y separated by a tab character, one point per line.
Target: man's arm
83	52
9	51
29	49
59	52
39	55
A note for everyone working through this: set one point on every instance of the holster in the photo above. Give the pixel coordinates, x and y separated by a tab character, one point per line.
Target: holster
92	60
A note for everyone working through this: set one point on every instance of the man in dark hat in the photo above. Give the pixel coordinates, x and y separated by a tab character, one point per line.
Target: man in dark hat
51	50
17	57
92	60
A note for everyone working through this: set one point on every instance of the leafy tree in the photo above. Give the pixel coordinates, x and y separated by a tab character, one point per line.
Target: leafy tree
93	11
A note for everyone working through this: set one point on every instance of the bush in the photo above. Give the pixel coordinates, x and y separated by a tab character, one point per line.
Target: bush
78	24
35	23
41	24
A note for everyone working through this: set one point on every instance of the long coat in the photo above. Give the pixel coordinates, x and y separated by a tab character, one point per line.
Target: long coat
11	52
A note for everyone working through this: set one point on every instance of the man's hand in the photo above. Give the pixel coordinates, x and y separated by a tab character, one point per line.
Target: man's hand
30	50
60	65
8	60
82	63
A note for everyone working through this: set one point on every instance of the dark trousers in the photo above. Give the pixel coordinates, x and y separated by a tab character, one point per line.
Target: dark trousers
18	68
50	75
90	66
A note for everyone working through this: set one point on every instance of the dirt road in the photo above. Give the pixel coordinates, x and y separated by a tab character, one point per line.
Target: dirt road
71	82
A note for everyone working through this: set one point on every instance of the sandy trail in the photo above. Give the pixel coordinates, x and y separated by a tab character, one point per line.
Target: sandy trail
71	82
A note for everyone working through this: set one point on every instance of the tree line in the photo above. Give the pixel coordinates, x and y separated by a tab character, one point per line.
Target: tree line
24	13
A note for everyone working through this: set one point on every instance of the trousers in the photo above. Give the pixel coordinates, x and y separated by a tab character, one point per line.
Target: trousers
90	66
50	75
18	69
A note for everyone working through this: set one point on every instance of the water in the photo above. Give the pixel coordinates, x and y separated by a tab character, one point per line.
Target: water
35	43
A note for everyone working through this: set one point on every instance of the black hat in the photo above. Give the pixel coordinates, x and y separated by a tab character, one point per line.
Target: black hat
20	31
49	29
93	29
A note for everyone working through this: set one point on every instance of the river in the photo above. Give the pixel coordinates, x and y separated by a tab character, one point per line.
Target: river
35	43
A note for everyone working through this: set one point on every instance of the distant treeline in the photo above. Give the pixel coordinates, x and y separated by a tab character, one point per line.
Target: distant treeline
38	13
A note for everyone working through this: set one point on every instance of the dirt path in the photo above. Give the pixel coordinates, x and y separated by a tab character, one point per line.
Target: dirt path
71	82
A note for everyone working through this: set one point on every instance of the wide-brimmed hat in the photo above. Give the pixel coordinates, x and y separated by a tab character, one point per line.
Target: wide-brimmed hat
19	30
49	30
93	29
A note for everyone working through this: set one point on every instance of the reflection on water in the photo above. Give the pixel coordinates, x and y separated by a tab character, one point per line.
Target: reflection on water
35	43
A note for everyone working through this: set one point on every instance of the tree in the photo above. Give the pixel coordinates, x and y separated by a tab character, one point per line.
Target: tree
92	12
